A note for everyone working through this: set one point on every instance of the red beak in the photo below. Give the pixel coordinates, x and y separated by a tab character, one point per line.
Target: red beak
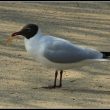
15	34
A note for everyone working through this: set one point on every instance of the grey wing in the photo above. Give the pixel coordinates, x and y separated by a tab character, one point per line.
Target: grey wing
62	52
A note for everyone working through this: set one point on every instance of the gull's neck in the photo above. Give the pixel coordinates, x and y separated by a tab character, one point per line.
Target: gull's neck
39	33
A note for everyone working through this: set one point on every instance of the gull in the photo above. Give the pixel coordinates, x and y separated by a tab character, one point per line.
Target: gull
57	53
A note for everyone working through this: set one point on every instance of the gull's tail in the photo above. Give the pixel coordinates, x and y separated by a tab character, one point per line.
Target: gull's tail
106	55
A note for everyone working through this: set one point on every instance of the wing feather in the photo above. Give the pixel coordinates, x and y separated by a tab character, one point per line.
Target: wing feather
63	51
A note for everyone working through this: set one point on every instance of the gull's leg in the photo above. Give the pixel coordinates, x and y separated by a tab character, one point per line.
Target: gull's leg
56	74
61	73
50	87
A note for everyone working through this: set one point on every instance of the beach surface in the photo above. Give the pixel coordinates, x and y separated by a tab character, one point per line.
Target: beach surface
22	78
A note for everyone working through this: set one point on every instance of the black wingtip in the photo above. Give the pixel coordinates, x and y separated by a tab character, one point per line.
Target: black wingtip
106	54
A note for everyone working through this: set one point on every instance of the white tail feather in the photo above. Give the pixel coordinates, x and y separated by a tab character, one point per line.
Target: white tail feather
101	60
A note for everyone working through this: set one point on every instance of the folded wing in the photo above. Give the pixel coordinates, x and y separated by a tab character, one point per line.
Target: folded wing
62	51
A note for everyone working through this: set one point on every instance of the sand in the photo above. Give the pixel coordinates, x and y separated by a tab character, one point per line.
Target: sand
22	78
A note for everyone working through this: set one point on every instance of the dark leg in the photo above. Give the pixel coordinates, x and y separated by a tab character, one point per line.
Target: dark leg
56	74
50	87
61	73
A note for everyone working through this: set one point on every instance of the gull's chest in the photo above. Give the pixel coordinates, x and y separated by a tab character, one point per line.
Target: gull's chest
33	47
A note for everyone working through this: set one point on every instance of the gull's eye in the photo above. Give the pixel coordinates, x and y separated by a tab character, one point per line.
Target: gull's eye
28	29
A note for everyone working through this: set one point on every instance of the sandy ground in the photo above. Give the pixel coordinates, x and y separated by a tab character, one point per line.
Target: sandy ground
22	79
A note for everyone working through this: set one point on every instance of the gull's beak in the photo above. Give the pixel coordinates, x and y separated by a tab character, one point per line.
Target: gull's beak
10	38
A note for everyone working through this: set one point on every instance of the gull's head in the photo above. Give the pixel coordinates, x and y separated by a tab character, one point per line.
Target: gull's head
28	31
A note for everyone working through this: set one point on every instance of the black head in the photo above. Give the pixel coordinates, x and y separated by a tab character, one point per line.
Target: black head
27	31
